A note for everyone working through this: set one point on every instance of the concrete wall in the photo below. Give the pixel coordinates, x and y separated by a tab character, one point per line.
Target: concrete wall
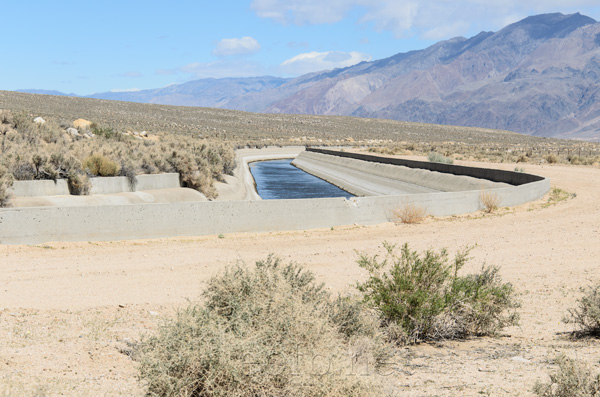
510	177
369	178
100	185
39	188
116	222
42	224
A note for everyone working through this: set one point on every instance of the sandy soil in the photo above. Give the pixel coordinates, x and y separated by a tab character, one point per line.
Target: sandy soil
68	309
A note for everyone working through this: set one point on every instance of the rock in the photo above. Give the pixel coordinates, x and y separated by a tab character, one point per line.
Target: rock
144	134
73	131
82	124
39	120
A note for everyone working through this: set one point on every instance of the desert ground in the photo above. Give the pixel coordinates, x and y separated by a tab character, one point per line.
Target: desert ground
69	311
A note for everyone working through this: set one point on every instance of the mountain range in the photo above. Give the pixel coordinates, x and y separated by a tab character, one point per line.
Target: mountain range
538	76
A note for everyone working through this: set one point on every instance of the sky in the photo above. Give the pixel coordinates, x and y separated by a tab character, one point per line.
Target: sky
85	47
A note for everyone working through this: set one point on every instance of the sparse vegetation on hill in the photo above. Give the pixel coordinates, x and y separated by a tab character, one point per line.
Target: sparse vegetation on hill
54	150
243	129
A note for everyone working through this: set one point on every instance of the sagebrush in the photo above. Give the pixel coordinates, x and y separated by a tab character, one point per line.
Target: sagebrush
267	331
572	379
439	158
422	297
47	151
586	316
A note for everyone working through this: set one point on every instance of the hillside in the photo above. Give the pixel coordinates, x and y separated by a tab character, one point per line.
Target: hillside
539	76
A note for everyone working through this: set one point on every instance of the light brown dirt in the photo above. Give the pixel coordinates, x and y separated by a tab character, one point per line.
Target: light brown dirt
66	309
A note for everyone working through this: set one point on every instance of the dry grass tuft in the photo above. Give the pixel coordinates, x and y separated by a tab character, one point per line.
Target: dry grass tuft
409	213
489	200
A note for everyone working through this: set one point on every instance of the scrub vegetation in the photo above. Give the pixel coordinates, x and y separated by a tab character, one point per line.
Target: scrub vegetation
586	316
272	330
53	150
572	378
421	297
243	129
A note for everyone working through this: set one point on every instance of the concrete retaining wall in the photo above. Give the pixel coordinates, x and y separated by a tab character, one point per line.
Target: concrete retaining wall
42	224
116	222
510	177
40	188
100	185
369	178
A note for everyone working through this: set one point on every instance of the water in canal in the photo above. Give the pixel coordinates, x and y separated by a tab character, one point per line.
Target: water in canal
279	179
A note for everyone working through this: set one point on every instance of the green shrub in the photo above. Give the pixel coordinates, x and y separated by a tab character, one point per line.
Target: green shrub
435	157
105	132
424	296
572	379
100	166
586	316
268	331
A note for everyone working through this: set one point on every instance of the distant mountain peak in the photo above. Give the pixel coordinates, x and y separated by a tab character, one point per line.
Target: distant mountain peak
555	25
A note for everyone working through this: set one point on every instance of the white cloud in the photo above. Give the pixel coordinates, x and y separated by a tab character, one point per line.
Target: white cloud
126	90
236	46
317	61
435	19
223	68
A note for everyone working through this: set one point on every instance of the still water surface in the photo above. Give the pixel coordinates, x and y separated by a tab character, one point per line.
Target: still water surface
279	179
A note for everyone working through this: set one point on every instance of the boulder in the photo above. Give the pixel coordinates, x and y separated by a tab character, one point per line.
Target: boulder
39	120
82	124
73	131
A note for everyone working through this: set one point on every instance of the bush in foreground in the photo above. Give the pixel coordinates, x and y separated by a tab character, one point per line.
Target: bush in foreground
268	331
572	379
421	297
586	316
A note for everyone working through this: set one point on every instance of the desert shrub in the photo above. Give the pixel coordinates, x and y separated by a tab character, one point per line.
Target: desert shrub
572	379
409	213
551	158
435	157
6	181
489	200
105	132
79	184
30	151
127	170
267	331
586	316
424	297
23	171
99	165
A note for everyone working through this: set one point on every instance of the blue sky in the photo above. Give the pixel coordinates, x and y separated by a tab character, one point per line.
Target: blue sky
95	46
